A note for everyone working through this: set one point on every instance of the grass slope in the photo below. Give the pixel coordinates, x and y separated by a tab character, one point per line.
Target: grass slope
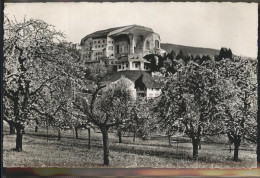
69	152
189	49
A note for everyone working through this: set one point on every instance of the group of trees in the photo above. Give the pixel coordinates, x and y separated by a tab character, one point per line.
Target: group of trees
170	62
210	99
45	81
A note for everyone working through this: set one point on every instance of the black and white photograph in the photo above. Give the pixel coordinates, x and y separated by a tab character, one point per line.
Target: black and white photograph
130	85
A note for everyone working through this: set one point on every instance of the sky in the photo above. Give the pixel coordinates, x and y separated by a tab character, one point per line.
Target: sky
209	25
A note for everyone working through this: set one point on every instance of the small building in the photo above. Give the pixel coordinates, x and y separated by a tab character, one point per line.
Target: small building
145	85
132	62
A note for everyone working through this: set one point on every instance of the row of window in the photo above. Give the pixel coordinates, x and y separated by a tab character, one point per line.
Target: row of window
99	41
98	53
99	46
123	67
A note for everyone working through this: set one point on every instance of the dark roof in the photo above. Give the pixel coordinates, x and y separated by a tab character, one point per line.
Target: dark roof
100	34
104	33
148	81
146	78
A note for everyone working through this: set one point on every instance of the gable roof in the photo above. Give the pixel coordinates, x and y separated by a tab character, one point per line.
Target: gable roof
144	76
148	81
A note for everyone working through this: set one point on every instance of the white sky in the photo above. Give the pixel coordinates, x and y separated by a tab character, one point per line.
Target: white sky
210	25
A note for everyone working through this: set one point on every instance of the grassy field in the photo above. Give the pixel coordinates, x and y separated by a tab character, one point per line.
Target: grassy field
69	152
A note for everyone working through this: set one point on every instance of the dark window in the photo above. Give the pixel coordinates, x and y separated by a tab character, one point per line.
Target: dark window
126	65
119	67
103	41
117	49
98	41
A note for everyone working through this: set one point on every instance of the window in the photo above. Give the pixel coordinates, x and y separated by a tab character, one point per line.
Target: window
98	41
136	65
157	45
95	42
90	43
133	64
99	46
147	44
126	65
103	41
119	66
117	49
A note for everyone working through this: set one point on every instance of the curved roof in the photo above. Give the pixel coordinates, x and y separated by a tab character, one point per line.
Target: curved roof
112	31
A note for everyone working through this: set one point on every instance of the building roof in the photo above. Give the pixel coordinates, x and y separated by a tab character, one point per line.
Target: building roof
146	78
112	31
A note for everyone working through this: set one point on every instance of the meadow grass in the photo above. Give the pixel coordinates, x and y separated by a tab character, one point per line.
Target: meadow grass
69	152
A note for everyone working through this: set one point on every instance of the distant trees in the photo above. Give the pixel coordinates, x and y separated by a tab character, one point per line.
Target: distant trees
224	53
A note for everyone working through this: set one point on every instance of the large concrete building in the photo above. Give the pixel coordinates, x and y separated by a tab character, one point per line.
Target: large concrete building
125	48
131	41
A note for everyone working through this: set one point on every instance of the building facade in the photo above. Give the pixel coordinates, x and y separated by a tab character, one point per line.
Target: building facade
125	48
111	44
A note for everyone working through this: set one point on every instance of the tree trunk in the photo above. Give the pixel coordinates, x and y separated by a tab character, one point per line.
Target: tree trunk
236	148
19	139
230	147
59	134
120	136
134	138
195	145
169	140
105	145
36	128
88	138
12	129
76	132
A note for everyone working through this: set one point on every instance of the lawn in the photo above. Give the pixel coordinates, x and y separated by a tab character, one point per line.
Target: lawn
69	152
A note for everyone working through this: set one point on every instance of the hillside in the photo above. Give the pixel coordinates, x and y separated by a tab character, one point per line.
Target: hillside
189	49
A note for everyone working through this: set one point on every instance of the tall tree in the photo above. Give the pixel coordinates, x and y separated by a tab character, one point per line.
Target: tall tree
108	107
31	60
189	99
240	110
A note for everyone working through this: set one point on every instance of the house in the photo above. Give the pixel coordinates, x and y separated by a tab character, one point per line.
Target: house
124	48
145	85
